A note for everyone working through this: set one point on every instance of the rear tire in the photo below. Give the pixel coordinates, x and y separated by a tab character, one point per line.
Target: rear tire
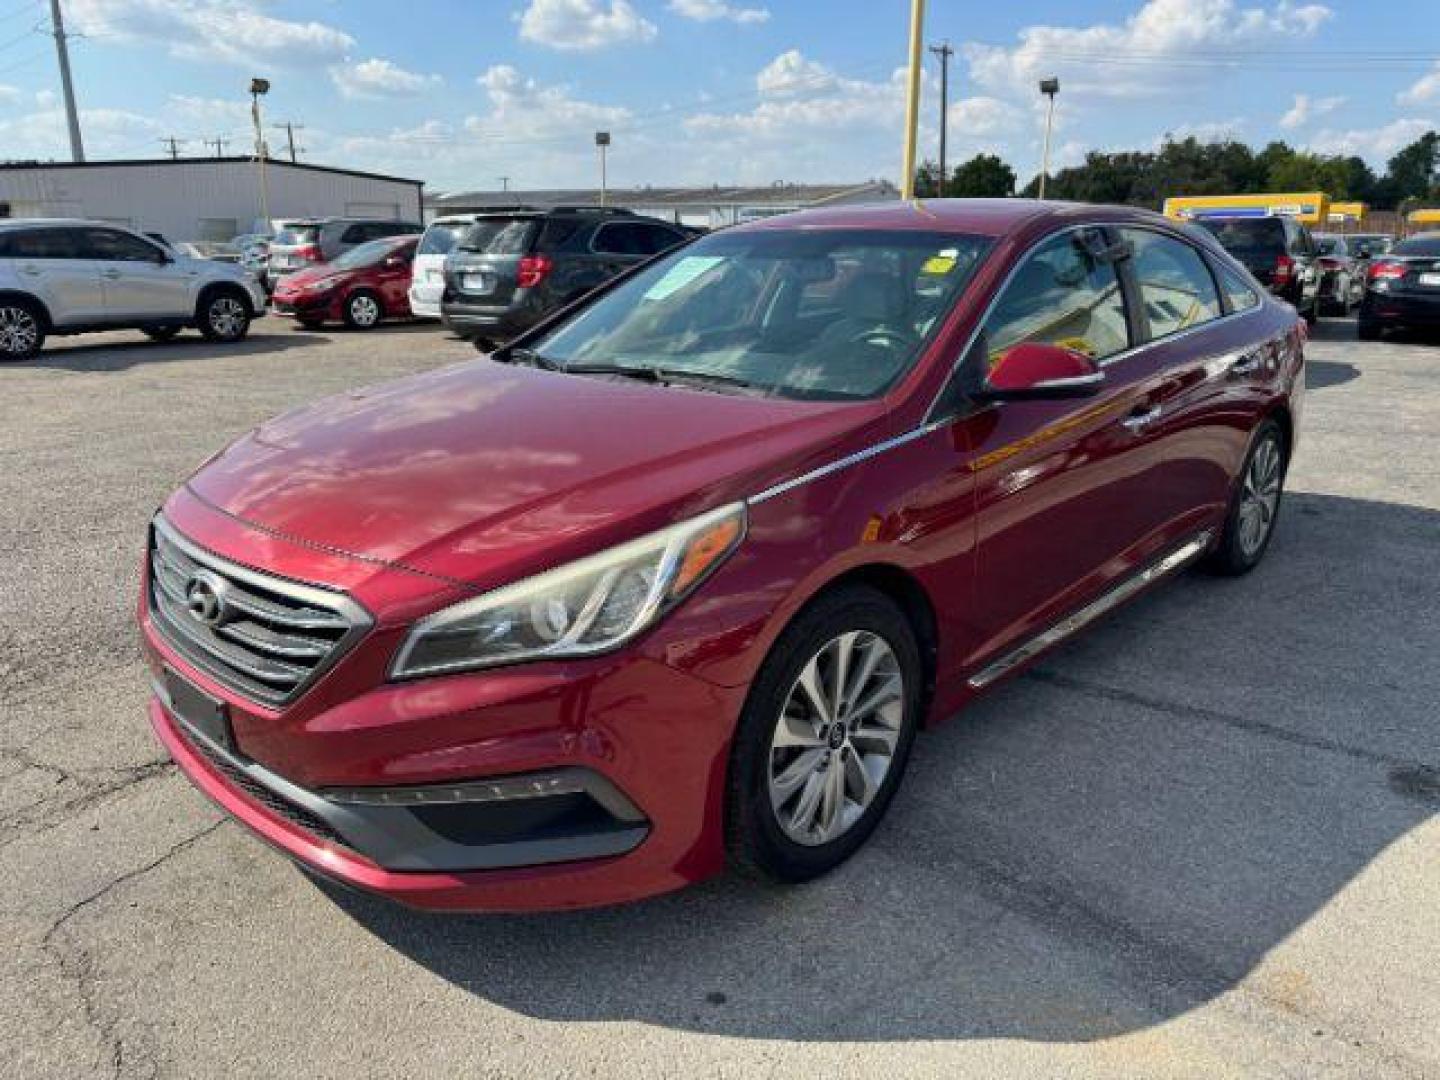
808	781
161	333
224	316
1255	505
22	330
363	311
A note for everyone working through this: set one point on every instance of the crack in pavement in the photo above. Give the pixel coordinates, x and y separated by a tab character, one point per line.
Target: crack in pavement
50	812
79	966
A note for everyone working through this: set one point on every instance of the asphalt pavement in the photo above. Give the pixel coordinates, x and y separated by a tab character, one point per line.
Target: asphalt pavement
1201	840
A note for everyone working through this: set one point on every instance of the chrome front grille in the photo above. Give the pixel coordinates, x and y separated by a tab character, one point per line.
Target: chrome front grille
264	637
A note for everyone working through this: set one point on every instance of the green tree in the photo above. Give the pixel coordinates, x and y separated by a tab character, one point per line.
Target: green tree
927	180
1411	172
983	176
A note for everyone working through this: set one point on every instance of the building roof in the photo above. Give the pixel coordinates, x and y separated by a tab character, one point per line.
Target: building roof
677	197
270	163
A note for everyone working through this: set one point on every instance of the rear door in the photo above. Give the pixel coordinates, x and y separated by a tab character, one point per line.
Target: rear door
50	262
137	278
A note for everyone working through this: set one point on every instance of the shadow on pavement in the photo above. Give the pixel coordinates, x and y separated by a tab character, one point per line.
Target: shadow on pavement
123	355
1118	836
1320	374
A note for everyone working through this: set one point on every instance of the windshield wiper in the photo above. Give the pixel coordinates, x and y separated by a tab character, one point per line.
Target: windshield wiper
531	358
671	377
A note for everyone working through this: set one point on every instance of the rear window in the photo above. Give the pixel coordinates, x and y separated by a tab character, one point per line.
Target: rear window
1420	245
297	235
1327	245
499	236
441	239
1247	236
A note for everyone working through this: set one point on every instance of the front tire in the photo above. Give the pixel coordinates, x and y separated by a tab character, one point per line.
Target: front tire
824	737
22	330
363	311
224	317
1255	506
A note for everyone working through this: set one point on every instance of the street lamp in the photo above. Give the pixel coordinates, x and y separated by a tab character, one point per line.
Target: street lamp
1049	87
602	141
258	89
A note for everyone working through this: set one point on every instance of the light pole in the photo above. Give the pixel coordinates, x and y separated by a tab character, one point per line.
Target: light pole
258	89
912	100
944	52
1049	87
602	141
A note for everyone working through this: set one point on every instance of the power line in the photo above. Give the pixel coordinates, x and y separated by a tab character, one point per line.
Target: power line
219	142
290	128
174	145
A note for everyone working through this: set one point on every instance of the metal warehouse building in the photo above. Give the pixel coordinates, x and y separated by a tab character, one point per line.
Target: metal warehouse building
710	207
200	198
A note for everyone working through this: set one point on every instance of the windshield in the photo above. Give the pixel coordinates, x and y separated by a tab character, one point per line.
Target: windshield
440	238
366	254
1419	245
499	236
828	314
1327	245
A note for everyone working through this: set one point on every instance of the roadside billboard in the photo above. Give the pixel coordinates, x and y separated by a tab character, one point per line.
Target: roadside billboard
1311	207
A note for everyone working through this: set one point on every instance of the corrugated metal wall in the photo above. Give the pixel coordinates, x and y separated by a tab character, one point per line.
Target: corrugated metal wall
194	200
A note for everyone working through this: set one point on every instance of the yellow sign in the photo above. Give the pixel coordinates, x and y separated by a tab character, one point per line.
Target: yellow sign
1428	216
1348	211
1310	206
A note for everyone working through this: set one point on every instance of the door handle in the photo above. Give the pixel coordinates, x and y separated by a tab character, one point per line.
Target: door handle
1140	419
111	274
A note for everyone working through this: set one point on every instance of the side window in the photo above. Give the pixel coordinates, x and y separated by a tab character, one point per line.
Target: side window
658	238
355	234
1175	285
556	232
1239	293
1063	295
115	246
45	244
619	238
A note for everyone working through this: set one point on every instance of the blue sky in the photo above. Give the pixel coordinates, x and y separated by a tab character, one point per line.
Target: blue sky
696	91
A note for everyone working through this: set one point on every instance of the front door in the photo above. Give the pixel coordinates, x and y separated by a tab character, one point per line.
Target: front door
49	261
1059	497
140	280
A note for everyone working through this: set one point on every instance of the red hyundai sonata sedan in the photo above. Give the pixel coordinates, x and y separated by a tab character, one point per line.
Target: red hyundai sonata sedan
675	578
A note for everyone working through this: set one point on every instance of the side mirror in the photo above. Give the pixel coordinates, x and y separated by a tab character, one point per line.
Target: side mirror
1037	369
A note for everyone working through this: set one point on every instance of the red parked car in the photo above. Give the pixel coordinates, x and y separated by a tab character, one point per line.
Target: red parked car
677	576
362	287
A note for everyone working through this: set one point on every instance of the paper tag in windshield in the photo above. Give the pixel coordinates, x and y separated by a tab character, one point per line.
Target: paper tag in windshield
681	274
941	263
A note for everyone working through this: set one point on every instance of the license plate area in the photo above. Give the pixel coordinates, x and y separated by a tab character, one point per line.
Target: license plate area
202	714
1431	281
478	282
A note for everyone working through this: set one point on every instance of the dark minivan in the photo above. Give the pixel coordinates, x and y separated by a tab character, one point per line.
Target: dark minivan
1279	251
513	268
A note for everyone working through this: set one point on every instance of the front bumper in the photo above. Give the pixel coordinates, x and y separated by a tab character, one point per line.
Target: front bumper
647	742
302	305
425	300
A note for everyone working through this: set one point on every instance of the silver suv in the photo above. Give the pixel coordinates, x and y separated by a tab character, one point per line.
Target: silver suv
73	277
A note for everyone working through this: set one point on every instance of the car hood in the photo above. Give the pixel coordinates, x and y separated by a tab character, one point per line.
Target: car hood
309	276
484	472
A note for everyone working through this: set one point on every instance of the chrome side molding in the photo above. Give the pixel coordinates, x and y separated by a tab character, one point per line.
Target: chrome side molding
1188	551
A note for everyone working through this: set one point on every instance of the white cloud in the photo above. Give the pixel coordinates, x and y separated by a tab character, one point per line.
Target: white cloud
231	31
41	135
379	78
1205	131
1159	46
1307	109
790	73
1375	145
984	116
9	94
577	25
521	108
1427	88
46	99
711	10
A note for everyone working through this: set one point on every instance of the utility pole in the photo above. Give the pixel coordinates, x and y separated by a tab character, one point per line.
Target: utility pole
290	137
219	142
504	183
72	117
174	144
944	52
912	100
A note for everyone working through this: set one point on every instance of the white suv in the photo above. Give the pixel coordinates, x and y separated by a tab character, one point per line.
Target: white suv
72	277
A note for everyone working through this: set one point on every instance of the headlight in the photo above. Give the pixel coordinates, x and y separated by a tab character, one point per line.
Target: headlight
587	607
320	286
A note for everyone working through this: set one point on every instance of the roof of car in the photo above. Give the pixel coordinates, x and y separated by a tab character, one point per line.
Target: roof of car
983	217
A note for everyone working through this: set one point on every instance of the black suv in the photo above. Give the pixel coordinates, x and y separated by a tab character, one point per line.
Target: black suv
514	267
1279	251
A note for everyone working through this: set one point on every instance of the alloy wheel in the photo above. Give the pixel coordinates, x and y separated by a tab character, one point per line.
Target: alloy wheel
227	317
18	331
1259	497
364	311
835	738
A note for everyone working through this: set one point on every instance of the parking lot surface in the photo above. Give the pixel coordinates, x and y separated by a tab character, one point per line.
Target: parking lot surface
1201	840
